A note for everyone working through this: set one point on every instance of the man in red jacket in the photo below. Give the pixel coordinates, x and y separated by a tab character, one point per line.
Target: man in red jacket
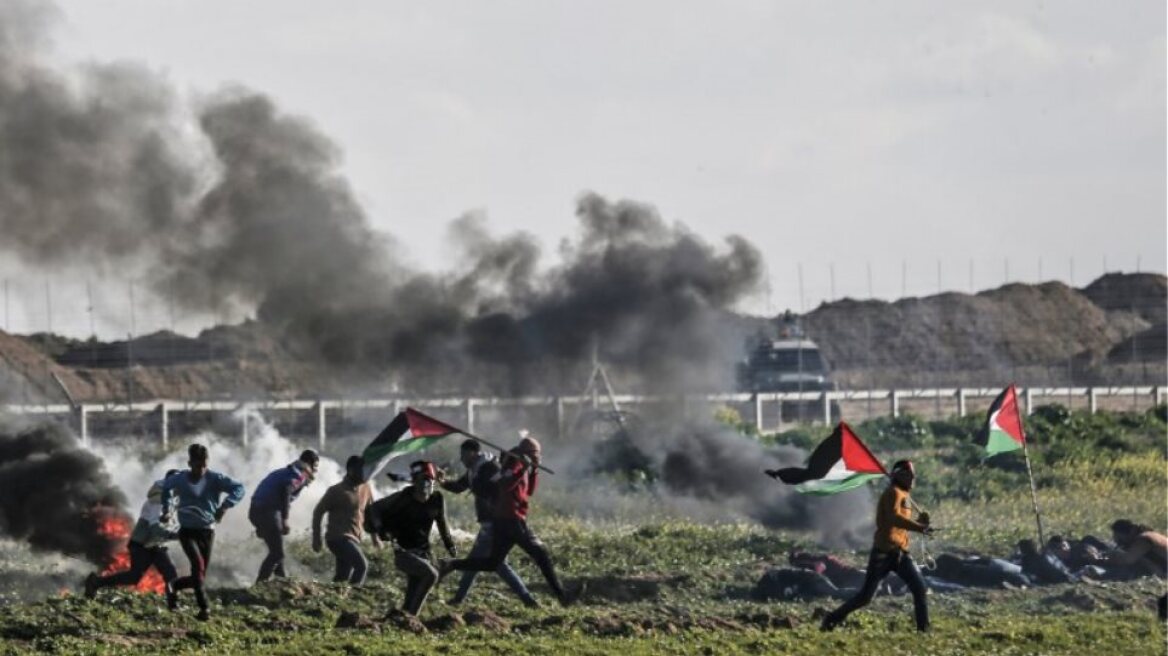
516	482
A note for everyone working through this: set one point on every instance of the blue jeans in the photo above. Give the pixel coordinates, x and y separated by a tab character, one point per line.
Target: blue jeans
482	549
351	563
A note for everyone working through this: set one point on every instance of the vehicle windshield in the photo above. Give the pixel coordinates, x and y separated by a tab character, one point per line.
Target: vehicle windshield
787	360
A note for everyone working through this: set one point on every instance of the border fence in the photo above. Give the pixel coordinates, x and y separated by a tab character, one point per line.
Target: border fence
557	415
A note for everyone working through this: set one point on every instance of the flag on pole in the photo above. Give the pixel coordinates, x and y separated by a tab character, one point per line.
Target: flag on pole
1002	432
409	431
840	463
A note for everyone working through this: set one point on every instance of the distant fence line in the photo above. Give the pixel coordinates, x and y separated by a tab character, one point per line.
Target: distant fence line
765	410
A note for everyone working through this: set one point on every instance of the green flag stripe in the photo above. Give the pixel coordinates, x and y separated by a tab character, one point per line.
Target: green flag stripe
1000	442
825	486
376	452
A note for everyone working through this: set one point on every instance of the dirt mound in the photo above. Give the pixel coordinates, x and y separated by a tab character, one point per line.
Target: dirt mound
1145	294
1014	331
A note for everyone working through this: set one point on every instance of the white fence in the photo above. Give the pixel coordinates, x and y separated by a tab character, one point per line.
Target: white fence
765	410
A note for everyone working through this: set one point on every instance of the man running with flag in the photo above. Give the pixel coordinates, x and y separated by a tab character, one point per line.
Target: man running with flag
890	549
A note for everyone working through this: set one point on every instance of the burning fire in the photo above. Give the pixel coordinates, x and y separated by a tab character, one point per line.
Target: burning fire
114	527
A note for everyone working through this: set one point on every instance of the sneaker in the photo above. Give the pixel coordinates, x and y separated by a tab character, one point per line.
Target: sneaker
91	585
531	602
171	597
572	595
454	601
203	615
829	623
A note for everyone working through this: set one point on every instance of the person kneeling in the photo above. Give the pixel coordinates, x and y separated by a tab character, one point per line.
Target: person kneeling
406	517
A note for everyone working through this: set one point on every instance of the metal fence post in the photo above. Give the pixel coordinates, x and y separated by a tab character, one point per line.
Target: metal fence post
894	403
758	413
164	425
321	424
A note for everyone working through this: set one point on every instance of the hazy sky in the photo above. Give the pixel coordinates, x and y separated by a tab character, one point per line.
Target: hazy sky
847	133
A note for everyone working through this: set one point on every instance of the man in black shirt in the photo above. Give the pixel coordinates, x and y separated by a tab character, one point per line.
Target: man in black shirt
481	470
406	517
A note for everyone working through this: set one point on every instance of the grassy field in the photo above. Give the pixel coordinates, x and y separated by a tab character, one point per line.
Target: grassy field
681	587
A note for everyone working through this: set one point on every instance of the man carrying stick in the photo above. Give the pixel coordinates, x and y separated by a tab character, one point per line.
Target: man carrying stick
516	483
890	550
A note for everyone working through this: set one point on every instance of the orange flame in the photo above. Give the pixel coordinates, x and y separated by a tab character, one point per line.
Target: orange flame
115	528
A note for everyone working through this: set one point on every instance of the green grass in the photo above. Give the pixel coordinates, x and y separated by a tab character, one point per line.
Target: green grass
668	586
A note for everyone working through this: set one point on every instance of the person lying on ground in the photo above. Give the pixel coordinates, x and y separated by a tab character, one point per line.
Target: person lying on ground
1042	568
147	545
979	572
346	505
406	518
789	584
841	574
1141	548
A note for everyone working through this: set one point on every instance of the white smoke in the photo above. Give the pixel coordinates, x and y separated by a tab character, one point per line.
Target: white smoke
237	551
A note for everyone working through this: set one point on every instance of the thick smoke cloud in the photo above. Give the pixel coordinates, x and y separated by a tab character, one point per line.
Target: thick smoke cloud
230	202
53	493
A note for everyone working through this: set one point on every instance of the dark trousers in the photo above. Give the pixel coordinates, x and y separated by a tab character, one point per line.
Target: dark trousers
269	526
509	533
421	575
141	559
880	565
351	563
196	544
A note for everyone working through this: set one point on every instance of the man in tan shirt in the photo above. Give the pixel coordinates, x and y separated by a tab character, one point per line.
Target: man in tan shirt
890	550
345	504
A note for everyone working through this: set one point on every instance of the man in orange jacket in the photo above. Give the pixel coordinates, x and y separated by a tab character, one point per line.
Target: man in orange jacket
890	550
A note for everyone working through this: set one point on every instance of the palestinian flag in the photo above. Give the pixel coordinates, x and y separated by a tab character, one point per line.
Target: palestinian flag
409	431
1003	428
840	463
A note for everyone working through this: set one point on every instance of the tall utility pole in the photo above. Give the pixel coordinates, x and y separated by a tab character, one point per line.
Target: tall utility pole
48	307
89	307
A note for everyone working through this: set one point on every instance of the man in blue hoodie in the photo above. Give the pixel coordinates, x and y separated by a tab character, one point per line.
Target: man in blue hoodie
201	504
270	504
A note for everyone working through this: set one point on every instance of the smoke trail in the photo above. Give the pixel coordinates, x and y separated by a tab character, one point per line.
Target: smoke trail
703	471
230	201
51	490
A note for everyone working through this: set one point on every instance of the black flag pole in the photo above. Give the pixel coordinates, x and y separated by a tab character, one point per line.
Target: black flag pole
1029	472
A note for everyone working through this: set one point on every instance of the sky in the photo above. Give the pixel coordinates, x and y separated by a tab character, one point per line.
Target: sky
949	145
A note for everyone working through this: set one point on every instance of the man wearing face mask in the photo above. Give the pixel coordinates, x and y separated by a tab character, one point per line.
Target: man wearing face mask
481	471
890	550
406	517
515	484
346	505
270	505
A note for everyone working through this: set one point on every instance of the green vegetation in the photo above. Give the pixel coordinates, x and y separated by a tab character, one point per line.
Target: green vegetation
681	587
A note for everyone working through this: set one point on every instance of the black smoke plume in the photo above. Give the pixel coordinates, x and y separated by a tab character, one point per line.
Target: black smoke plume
53	494
231	202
